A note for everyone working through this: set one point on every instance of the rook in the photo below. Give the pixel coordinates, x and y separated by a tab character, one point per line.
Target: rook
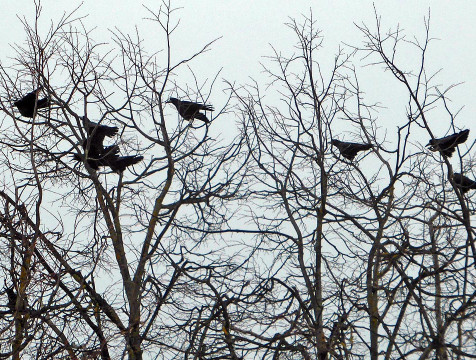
464	183
447	145
349	150
191	110
26	105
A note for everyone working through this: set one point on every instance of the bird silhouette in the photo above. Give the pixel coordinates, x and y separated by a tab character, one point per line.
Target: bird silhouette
111	158
463	182
12	305
97	154
190	110
348	149
26	105
447	145
12	298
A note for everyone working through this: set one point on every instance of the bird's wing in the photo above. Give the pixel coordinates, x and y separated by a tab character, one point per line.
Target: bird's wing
43	103
201	116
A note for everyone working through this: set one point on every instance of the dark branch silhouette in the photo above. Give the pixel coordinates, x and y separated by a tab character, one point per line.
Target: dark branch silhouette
191	110
463	182
349	150
447	145
26	105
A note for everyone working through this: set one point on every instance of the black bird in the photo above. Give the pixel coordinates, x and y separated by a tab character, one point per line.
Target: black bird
447	145
349	150
12	298
190	110
98	155
26	105
110	158
464	183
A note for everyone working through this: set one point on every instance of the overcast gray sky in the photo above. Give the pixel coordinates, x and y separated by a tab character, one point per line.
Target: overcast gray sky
247	27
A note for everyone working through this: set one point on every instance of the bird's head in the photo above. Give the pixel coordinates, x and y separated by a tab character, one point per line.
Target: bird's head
173	100
335	142
430	144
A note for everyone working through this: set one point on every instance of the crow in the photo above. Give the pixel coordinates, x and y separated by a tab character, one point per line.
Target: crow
26	105
12	298
464	183
191	110
98	155
447	145
12	304
349	150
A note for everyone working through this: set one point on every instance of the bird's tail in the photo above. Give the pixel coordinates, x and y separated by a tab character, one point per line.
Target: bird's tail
43	103
208	107
463	136
202	117
121	163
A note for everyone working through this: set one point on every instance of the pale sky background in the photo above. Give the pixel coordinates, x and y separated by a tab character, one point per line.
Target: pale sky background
247	27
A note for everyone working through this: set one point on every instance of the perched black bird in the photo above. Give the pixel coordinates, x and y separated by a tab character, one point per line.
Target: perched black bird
111	158
464	183
12	298
447	145
26	105
191	110
349	150
98	155
12	304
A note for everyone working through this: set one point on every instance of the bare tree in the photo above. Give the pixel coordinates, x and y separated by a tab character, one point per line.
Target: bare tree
99	261
311	232
371	255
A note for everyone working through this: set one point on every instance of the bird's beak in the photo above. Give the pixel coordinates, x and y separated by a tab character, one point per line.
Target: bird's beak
168	101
